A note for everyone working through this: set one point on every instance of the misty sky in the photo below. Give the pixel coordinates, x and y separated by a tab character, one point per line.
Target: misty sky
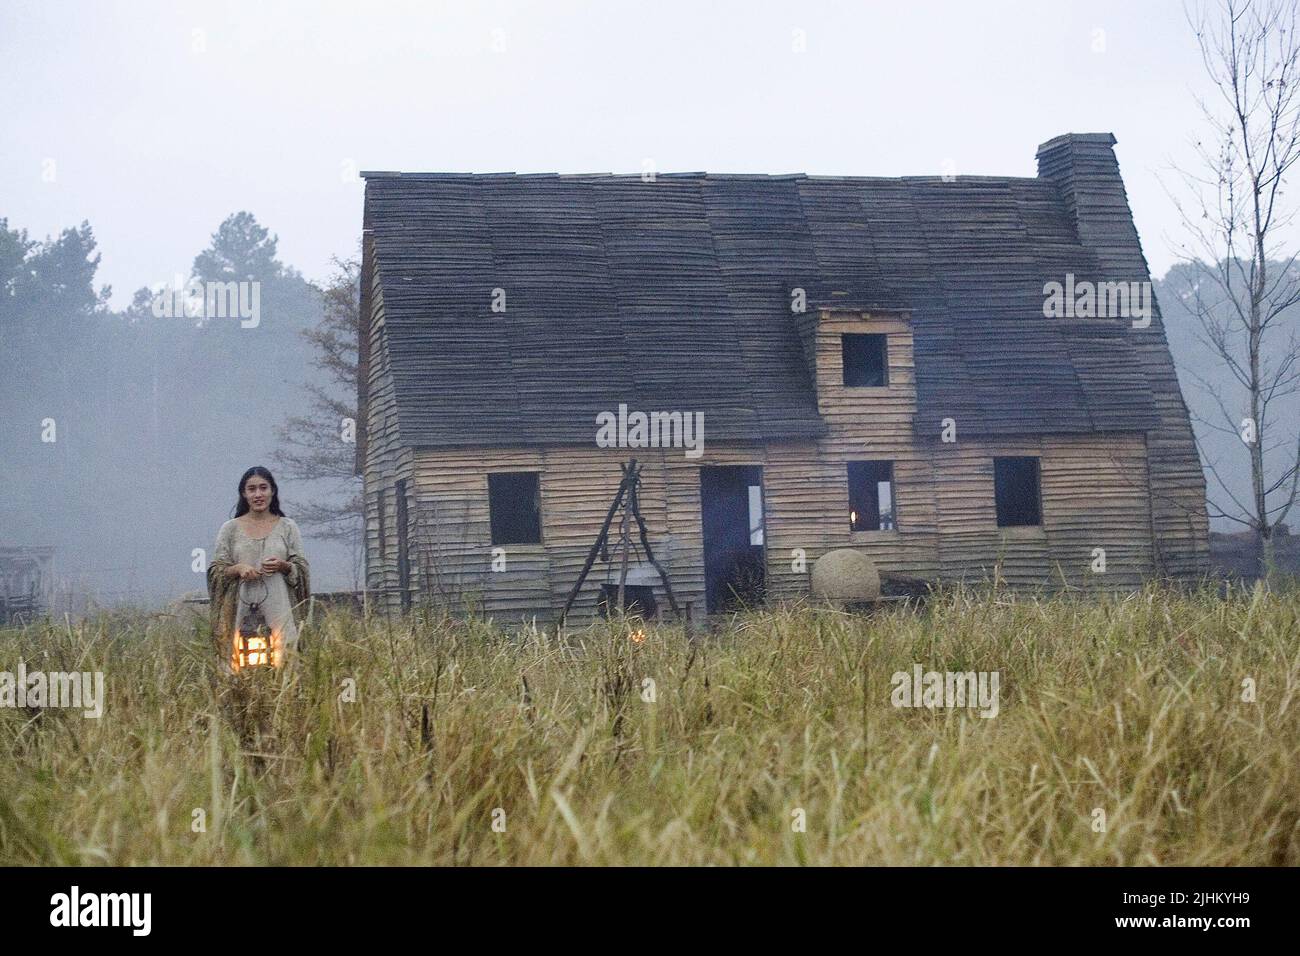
162	118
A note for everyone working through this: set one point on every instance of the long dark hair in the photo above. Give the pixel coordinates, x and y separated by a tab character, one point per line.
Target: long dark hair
241	507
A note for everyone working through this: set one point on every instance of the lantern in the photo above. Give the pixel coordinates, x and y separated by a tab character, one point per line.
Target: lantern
255	641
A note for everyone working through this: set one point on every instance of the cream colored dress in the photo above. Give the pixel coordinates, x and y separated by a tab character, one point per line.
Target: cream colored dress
272	590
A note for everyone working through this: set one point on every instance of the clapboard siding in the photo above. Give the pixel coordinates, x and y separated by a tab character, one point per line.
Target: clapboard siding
944	496
384	444
1093	496
864	424
388	460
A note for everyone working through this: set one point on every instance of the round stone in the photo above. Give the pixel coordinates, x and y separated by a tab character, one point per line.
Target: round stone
845	575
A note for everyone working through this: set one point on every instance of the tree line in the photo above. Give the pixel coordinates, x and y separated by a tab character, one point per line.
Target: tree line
125	431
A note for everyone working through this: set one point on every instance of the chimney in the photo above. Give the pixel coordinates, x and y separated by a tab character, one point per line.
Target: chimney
1084	169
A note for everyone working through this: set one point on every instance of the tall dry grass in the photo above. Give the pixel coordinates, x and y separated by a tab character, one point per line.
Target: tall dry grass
1129	704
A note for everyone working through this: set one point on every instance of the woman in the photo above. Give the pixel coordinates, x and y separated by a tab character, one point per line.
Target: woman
257	566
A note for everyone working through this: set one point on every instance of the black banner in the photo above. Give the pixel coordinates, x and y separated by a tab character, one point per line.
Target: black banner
336	906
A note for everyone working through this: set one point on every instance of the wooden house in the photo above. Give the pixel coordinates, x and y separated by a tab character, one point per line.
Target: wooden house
875	362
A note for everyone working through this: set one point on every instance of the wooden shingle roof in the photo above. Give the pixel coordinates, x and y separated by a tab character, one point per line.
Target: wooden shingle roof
674	295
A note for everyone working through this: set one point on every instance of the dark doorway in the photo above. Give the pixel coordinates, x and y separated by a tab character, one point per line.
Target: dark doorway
731	511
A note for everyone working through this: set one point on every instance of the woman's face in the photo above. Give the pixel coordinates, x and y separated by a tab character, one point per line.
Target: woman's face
257	492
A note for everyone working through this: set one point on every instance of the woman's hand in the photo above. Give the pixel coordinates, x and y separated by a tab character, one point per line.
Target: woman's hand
275	566
245	571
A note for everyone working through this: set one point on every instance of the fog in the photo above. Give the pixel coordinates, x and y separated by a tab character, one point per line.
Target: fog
150	144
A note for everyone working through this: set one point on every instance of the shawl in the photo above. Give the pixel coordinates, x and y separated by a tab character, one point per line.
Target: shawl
223	596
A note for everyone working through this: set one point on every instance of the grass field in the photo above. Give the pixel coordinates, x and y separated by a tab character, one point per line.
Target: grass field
771	741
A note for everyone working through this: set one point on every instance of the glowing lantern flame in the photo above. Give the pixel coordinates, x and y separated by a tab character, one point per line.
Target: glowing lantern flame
256	650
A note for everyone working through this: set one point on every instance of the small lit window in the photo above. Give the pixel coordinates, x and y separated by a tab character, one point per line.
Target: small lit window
871	496
514	503
755	515
1016	490
866	360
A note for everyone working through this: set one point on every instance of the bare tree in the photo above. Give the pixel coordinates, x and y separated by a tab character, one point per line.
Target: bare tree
1234	215
320	446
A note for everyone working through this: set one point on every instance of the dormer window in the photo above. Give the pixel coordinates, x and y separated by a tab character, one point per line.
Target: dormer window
866	360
